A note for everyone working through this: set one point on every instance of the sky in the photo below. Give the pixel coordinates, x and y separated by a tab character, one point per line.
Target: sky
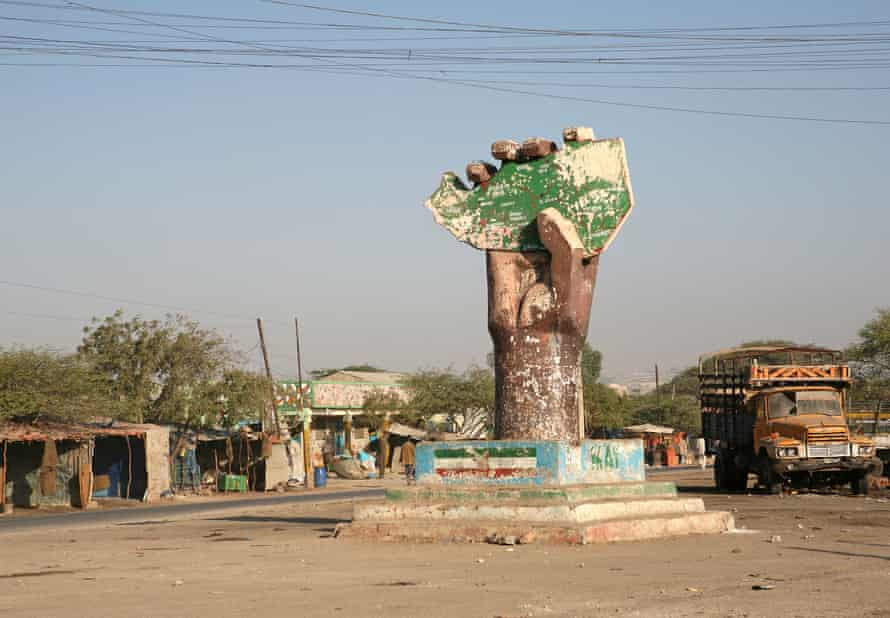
237	192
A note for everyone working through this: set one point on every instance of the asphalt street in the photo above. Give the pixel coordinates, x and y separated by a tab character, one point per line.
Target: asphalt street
173	511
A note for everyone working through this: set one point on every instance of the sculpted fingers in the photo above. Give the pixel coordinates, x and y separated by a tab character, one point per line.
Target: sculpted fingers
571	282
480	171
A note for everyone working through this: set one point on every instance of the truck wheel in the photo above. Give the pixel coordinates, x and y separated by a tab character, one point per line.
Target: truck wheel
740	478
727	474
859	484
771	482
719	478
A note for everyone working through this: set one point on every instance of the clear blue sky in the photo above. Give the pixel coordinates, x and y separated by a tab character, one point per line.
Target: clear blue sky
280	192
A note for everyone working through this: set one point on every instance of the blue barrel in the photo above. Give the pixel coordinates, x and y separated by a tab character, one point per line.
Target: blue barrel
321	476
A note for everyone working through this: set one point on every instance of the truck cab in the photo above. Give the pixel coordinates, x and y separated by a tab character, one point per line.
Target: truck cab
780	413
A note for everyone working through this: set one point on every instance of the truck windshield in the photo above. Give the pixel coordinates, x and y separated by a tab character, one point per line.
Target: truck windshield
804	402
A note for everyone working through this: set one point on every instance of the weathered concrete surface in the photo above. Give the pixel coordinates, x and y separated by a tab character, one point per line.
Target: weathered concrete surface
157	461
530	462
587	181
277	560
543	218
538	315
521	533
547	513
569	494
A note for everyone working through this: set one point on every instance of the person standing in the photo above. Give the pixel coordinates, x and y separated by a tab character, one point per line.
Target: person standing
408	460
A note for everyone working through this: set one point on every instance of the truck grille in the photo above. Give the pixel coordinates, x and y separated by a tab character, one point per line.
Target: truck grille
828	450
819	436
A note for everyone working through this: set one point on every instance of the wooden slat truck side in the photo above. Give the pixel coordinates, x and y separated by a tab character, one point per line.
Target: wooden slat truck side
779	412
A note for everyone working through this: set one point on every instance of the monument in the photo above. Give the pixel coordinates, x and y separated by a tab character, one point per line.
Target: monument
543	219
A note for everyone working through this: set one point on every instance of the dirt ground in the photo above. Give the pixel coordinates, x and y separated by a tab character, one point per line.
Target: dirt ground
833	559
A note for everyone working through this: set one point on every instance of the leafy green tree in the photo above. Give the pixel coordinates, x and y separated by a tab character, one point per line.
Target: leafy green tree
160	371
38	383
443	392
758	343
681	412
871	359
684	383
241	395
319	374
378	403
591	363
603	408
873	347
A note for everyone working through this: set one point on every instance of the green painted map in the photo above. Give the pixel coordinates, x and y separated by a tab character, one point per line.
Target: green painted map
587	182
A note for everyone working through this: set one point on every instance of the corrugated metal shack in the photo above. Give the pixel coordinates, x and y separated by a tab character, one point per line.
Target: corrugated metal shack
214	452
70	464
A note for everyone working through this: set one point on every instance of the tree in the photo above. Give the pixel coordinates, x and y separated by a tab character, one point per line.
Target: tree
681	412
39	383
684	383
603	408
378	403
871	359
242	395
873	347
443	392
319	374
162	371
591	363
759	343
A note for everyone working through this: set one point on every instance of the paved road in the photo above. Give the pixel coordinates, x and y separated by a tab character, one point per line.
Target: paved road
159	512
162	511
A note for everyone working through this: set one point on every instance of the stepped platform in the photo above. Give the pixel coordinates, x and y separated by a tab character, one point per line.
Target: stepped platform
475	501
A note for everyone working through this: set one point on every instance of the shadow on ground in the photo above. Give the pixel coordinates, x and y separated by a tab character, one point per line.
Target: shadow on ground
331	521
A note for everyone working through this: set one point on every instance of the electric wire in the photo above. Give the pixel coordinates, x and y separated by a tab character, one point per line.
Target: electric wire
128	301
720	49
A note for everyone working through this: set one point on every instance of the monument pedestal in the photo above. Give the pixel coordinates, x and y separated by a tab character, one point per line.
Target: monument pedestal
510	492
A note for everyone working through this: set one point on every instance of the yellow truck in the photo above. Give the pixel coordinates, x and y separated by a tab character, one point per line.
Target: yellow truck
872	419
779	412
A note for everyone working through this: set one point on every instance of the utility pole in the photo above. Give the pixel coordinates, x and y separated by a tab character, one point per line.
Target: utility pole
281	433
265	424
657	388
307	418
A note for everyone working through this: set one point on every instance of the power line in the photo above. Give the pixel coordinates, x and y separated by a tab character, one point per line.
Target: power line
127	301
693	88
43	316
341	11
422	62
665	108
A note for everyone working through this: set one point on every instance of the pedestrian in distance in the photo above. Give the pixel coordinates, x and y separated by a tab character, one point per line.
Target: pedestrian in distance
408	460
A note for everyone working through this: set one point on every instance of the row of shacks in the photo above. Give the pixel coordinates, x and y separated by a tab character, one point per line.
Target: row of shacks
74	464
51	463
54	463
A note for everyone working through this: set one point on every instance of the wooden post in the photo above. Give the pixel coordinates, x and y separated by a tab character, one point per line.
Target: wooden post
272	426
129	466
657	385
347	429
3	475
383	451
307	415
307	450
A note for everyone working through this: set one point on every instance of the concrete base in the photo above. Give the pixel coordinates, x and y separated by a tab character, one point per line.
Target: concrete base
579	514
570	494
523	532
513	491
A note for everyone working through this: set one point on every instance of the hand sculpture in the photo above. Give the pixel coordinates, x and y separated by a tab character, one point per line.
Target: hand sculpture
543	219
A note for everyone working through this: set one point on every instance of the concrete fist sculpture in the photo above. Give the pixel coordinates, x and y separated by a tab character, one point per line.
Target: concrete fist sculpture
543	218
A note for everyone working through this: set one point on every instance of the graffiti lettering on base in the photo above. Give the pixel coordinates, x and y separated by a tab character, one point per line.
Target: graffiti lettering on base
604	457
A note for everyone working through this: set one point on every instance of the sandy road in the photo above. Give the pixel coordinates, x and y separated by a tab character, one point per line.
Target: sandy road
833	560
